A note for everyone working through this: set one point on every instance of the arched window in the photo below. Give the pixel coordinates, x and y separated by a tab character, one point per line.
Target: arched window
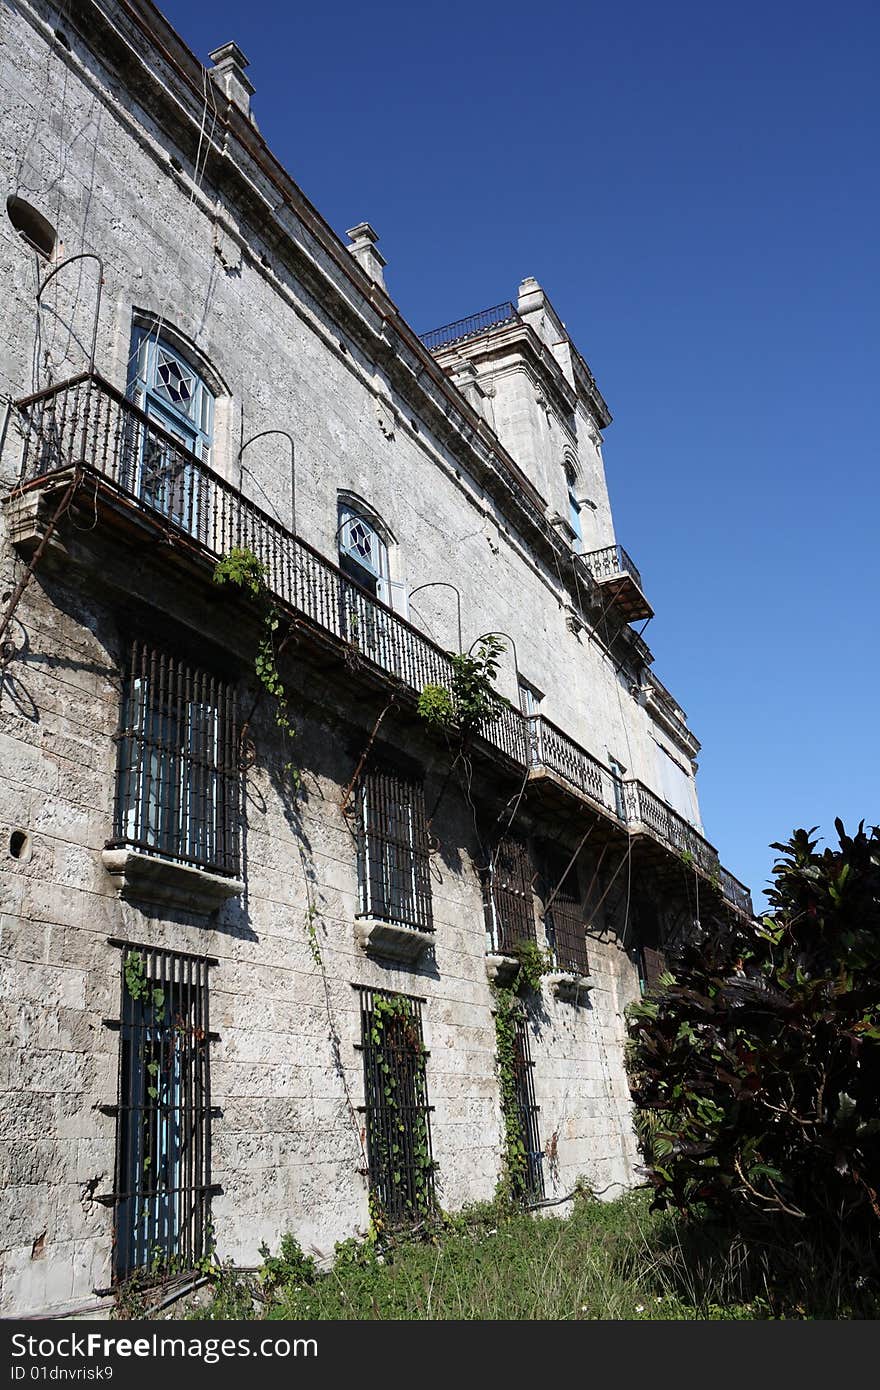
574	506
363	554
180	406
164	384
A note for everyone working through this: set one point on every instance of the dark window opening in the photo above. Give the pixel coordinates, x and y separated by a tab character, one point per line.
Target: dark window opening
18	844
178	783
163	1134
394	875
507	896
32	226
396	1109
650	958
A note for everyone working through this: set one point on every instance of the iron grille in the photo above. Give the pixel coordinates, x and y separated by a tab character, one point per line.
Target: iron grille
565	918
473	324
651	965
394	876
178	784
507	896
531	1181
163	1129
398	1116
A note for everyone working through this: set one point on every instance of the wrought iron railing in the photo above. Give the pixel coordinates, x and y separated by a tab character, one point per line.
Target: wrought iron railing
550	748
471	326
87	423
609	561
736	892
646	809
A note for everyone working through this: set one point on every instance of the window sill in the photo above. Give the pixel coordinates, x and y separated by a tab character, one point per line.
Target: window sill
391	941
568	984
501	970
144	878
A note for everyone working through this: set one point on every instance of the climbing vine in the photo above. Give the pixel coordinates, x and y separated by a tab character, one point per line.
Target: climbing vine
513	1182
139	987
405	1137
246	571
472	699
534	963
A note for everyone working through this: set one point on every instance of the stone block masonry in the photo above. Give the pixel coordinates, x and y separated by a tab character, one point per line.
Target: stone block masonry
230	311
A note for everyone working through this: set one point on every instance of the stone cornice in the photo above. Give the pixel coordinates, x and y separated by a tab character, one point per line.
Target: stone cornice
517	337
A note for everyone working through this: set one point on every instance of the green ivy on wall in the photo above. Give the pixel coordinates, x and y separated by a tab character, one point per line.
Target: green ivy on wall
244	570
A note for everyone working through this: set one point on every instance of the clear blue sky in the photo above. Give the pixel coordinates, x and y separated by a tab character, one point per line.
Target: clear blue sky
696	187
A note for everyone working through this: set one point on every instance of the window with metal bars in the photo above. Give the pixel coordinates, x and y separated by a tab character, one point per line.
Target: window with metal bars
507	896
394	875
163	1128
650	964
564	916
530	1180
398	1116
178	783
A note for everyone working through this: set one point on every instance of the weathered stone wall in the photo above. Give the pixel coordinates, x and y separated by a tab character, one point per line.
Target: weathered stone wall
287	1146
93	150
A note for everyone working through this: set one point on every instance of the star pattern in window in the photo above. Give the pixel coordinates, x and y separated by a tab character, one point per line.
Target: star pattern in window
360	540
172	381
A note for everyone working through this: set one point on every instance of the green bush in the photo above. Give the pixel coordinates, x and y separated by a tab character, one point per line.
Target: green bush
760	1062
472	699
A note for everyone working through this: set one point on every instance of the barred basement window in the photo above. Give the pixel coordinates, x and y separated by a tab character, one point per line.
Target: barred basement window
507	896
398	1116
531	1182
565	918
163	1129
178	784
394	877
650	964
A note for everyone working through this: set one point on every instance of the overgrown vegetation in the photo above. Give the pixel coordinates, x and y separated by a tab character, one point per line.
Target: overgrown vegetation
758	1059
472	700
608	1260
403	1142
534	964
245	571
513	1181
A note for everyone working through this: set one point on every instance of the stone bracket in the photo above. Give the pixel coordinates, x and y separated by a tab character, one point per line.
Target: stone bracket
568	985
144	878
28	514
392	941
501	970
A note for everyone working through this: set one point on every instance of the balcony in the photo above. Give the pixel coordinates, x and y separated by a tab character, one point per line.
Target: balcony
645	812
620	581
84	435
736	893
553	754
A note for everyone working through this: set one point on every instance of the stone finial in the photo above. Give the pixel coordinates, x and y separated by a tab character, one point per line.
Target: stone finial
363	248
531	296
228	72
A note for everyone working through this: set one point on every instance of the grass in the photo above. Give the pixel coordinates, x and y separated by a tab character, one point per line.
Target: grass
614	1260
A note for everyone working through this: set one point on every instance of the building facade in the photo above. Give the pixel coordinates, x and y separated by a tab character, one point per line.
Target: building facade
256	907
